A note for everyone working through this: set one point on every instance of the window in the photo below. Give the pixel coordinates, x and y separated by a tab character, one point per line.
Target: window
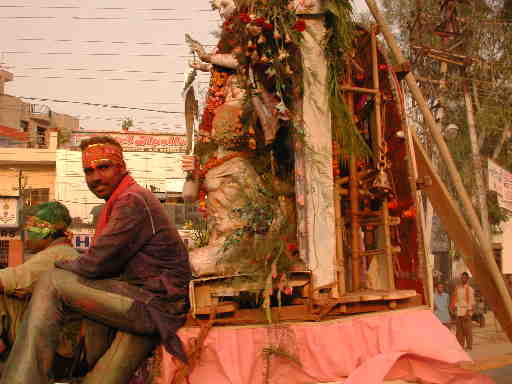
41	137
24	125
180	213
4	253
36	196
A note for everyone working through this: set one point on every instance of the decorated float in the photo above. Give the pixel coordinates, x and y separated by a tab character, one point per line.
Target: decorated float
312	268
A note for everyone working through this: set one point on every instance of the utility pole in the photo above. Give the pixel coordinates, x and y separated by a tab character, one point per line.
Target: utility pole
22	183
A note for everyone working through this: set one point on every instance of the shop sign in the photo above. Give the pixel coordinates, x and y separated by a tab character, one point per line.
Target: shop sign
9	217
138	142
500	181
82	238
9	234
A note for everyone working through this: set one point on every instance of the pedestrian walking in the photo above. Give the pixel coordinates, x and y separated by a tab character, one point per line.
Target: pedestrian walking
462	305
441	305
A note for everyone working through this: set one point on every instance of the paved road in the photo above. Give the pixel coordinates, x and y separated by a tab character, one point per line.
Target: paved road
491	342
501	375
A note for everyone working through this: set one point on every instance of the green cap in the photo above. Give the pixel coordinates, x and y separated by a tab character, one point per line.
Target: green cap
46	219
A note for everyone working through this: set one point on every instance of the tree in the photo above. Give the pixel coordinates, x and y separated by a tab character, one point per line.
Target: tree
126	124
461	51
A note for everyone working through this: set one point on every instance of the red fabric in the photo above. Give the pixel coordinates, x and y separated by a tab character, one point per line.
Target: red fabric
369	349
102	151
107	208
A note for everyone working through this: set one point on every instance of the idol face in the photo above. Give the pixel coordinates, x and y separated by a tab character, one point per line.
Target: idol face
103	177
226	8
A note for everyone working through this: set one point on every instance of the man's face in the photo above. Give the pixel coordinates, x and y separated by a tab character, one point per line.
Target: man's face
103	177
464	279
440	288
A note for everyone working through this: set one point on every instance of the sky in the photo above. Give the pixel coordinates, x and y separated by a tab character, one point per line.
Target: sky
117	52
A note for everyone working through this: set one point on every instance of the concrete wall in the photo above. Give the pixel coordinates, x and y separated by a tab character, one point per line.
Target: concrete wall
14	110
42	176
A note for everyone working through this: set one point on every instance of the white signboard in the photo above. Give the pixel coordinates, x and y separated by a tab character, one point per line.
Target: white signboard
500	181
9	212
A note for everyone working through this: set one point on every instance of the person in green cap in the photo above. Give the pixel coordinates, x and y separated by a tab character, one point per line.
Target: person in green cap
46	228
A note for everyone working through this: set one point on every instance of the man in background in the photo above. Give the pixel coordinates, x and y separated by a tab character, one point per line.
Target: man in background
441	305
462	305
46	227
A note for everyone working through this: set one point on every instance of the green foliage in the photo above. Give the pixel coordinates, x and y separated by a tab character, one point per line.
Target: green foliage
481	44
63	135
339	42
127	123
262	245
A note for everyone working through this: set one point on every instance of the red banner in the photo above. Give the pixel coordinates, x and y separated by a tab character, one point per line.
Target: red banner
137	142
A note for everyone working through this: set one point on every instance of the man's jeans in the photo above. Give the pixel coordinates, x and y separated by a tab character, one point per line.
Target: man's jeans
57	293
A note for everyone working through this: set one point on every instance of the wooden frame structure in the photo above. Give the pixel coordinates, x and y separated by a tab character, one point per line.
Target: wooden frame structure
469	237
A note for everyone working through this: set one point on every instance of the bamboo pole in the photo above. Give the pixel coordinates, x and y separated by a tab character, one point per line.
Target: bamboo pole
381	161
504	136
347	88
505	313
340	260
355	226
355	233
477	164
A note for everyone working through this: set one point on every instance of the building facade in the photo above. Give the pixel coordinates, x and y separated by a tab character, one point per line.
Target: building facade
29	138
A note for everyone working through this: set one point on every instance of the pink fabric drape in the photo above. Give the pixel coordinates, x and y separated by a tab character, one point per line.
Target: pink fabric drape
407	345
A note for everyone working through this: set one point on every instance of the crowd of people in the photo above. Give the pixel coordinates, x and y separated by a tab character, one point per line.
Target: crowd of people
460	308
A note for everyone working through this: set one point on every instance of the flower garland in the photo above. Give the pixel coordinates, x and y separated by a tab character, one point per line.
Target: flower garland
215	99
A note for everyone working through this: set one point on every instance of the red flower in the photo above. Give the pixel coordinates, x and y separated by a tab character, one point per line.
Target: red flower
292	247
268	26
260	21
245	18
300	25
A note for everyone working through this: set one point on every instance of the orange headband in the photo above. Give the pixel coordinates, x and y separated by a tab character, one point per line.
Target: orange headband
100	152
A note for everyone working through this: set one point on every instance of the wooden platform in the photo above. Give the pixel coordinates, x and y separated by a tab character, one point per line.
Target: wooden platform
210	300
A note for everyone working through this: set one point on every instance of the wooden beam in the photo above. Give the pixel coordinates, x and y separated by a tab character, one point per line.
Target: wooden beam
348	88
459	232
488	274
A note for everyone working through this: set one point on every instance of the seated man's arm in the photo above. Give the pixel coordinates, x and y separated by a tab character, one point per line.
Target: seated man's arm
19	280
116	245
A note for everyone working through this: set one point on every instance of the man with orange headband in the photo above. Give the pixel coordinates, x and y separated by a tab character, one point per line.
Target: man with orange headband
134	278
